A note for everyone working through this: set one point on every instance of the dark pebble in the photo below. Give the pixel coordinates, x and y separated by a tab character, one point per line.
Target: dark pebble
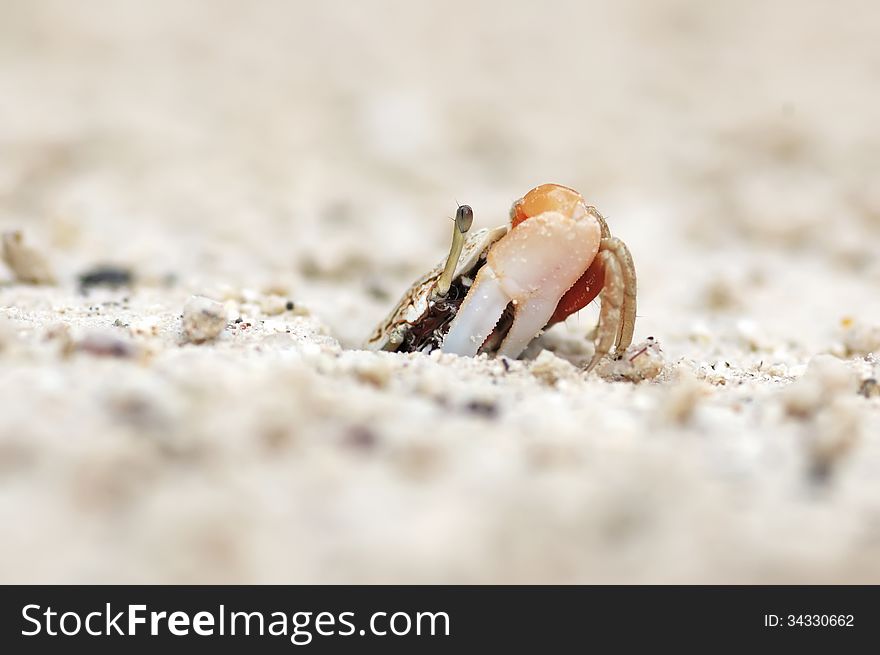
482	408
870	387
361	437
104	346
106	276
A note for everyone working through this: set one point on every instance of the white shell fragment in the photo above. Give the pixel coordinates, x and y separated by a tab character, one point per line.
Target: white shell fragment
203	319
27	264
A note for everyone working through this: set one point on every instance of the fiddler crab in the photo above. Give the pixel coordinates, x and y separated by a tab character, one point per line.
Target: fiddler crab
501	287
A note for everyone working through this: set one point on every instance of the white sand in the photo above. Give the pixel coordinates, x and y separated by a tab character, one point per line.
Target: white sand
260	153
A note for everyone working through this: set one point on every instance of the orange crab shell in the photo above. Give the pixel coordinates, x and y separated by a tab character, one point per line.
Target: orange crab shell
555	197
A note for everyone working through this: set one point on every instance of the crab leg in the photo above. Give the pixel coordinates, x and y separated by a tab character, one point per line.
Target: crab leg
532	267
628	324
612	308
617	316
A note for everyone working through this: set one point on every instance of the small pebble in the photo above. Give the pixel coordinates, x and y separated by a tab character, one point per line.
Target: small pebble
826	378
273	305
60	334
641	361
550	369
684	396
203	319
373	371
859	339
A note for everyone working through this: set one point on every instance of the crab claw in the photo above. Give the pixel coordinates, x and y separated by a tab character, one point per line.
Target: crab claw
545	252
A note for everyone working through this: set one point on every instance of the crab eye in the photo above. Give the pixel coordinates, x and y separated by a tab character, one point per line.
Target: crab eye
464	218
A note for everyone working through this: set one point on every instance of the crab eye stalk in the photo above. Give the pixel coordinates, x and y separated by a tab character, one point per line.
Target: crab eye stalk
464	218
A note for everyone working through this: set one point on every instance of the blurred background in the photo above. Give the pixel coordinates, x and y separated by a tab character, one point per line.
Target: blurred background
315	150
332	140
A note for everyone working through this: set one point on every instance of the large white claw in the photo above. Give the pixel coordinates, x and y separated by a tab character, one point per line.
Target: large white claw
532	266
477	316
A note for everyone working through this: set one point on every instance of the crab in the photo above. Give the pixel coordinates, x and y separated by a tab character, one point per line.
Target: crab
499	288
